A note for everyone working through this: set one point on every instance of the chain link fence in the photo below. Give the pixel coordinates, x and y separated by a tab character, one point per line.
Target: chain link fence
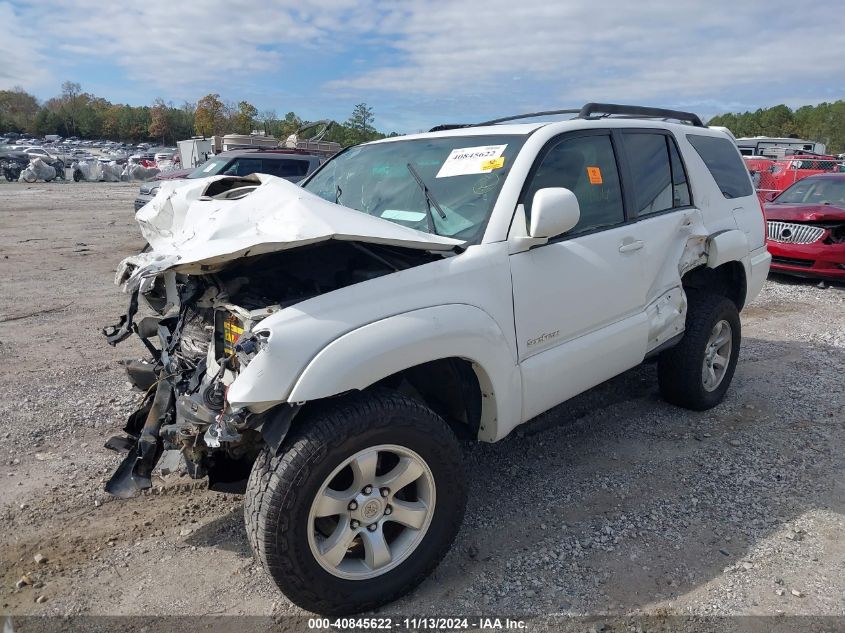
771	176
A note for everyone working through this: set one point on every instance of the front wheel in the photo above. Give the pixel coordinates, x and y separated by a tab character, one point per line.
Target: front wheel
696	373
361	505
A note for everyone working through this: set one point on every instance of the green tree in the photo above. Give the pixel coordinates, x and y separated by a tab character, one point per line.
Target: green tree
777	121
160	121
267	119
245	117
72	102
290	125
18	110
47	122
360	125
209	116
824	123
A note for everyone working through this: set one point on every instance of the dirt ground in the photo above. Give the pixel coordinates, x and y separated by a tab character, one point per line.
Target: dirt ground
614	503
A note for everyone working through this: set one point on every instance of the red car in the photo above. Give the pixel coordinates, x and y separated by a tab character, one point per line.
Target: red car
806	228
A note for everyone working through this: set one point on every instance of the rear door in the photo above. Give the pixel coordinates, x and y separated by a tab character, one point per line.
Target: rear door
660	203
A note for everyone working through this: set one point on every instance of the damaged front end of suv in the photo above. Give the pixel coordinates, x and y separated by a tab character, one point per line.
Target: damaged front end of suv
225	255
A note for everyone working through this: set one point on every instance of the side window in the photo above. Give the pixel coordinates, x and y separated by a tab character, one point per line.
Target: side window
680	186
285	168
725	165
650	171
587	166
243	167
659	180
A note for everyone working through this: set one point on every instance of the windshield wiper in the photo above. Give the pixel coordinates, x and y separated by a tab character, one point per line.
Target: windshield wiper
429	198
338	192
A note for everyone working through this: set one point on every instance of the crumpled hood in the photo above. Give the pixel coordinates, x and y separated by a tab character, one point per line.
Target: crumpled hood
804	212
192	232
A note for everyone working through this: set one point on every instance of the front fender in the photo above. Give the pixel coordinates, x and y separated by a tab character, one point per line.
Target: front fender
364	356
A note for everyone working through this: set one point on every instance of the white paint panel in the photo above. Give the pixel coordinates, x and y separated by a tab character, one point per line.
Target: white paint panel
192	233
565	371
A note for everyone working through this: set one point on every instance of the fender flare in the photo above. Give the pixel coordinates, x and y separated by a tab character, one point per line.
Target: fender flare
726	246
375	351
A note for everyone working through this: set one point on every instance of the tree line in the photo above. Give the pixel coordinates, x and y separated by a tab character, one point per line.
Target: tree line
77	113
824	123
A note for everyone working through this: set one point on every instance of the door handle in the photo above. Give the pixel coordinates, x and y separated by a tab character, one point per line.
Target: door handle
634	245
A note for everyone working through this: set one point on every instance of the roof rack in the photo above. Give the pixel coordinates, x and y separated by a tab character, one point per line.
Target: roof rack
591	111
515	117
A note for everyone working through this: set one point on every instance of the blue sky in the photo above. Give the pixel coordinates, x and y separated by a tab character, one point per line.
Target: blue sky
422	62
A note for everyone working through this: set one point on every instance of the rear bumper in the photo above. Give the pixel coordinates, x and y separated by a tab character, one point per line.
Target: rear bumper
817	260
141	200
758	269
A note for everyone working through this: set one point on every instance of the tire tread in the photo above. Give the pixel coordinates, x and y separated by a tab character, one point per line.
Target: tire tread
276	479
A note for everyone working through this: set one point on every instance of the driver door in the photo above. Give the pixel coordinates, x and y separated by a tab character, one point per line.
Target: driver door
578	300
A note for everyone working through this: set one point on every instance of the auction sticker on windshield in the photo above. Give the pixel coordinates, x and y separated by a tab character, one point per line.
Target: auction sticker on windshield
472	160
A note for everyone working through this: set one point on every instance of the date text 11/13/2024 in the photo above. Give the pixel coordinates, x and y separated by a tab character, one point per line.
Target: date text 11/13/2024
418	624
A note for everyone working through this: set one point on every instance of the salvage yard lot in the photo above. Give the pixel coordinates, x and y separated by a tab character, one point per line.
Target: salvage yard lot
612	503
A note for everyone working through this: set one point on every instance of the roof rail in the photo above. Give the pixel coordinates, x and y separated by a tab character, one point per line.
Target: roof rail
530	115
598	110
590	111
515	117
450	126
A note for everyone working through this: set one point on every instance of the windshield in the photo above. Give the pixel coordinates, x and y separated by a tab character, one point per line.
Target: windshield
815	191
445	185
211	167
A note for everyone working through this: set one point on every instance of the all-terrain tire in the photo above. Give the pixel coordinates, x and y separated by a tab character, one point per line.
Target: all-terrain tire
679	369
281	489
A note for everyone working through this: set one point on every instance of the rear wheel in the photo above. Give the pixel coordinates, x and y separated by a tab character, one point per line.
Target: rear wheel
361	505
696	373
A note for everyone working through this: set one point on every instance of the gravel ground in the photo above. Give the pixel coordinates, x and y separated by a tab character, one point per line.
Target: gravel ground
614	503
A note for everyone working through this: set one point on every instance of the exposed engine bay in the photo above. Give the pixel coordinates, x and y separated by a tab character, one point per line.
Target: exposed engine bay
199	343
224	254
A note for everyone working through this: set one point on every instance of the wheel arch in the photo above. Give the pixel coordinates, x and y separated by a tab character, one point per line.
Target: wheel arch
728	280
455	358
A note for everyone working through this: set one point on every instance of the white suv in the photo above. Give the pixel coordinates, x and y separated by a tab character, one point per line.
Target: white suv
332	342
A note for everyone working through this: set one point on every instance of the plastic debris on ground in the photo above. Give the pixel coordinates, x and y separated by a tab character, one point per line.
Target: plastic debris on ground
167	165
37	170
91	170
111	172
134	171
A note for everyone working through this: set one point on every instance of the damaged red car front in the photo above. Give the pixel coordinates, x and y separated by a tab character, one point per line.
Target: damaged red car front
806	228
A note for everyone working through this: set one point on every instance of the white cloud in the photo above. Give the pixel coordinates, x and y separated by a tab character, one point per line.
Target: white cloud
178	46
21	64
420	61
568	53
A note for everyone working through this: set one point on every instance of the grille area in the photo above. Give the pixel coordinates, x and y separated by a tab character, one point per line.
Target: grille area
792	261
792	233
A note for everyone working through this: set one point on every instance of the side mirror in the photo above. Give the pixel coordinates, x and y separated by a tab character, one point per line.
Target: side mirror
554	210
770	196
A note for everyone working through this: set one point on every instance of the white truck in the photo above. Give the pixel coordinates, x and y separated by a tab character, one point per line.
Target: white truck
332	342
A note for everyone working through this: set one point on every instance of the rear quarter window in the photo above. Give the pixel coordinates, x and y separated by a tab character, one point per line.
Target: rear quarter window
286	167
722	159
